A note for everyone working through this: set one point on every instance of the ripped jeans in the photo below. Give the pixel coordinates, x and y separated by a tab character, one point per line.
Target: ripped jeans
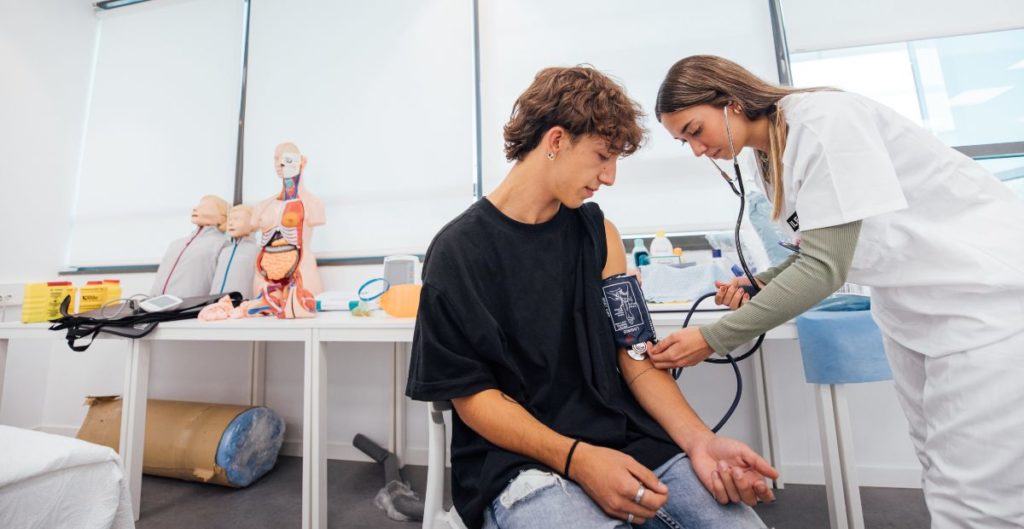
538	499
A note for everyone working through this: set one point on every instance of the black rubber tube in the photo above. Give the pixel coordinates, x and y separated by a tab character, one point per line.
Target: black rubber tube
676	372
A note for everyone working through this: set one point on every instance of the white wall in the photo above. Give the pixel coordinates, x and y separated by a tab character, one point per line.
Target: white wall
45	56
45	52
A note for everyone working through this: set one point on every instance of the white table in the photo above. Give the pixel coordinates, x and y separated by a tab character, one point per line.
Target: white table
315	334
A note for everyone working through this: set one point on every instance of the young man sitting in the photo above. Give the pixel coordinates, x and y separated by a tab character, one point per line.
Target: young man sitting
554	425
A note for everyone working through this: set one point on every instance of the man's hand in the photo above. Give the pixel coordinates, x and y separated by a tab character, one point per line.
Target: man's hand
683	348
732	471
612	479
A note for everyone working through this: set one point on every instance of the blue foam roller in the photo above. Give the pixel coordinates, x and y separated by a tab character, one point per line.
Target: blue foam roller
841	347
249	446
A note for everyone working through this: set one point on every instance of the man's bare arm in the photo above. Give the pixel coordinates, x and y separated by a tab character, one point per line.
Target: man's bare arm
654	389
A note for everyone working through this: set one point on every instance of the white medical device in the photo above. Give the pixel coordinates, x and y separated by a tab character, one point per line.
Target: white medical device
400	269
160	303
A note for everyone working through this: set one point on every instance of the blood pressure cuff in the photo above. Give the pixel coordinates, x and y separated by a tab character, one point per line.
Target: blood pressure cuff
128	322
624	303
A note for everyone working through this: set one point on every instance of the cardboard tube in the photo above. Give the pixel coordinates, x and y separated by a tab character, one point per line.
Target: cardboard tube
182	438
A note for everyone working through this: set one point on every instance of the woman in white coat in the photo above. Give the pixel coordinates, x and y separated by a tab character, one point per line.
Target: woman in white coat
874	199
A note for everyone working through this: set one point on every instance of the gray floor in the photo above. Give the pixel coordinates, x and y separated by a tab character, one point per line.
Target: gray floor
273	502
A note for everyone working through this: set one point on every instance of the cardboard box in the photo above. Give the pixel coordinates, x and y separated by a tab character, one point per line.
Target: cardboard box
182	438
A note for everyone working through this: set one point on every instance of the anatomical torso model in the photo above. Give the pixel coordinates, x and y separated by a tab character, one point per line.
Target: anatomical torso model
287	279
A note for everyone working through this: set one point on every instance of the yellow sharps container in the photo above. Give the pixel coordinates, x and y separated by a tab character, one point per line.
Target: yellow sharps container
42	300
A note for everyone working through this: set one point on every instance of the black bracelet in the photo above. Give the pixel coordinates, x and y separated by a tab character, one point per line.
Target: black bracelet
568	459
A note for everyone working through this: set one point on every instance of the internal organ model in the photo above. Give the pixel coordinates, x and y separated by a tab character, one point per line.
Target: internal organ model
286	275
187	268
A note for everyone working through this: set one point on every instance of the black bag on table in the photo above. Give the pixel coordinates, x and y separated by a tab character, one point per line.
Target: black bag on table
128	321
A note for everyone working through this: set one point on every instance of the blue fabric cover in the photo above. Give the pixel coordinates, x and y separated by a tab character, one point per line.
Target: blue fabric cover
841	347
844	302
248	449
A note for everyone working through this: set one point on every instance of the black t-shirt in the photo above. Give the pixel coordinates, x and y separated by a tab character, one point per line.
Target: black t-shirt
517	307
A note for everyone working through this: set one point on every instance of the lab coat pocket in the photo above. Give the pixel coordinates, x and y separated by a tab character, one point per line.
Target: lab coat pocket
873	243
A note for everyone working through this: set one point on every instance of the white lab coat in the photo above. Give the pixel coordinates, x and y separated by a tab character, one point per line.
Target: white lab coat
942	246
942	241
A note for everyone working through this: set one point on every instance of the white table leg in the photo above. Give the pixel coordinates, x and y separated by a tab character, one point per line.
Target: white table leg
314	438
393	403
398	386
258	374
766	408
834	490
133	417
307	435
847	462
3	368
319	432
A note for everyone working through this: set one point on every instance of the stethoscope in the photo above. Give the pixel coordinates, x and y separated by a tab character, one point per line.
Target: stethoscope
740	192
736	184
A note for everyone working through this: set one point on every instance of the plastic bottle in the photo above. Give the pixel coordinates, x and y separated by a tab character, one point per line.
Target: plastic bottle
680	260
662	251
661	246
641	257
726	269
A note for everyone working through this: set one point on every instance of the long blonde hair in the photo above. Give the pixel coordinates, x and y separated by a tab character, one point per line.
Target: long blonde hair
712	80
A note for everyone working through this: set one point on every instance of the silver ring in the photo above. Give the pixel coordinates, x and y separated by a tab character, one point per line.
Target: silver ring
629	519
639	494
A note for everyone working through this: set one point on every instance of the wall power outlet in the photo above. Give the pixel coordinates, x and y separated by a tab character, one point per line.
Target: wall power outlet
12	294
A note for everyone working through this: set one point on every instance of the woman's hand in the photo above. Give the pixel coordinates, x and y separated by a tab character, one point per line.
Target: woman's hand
731	471
731	294
612	479
683	348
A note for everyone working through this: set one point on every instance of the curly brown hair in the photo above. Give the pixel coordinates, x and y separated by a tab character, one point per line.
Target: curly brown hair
581	100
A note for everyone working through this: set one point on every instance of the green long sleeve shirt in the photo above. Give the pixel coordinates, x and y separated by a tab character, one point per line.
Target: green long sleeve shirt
797	284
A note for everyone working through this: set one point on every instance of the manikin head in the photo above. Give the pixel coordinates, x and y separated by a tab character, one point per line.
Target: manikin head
288	160
211	211
240	221
571	126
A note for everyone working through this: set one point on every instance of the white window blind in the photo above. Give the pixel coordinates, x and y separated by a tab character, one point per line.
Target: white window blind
161	130
379	97
663	185
813	25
